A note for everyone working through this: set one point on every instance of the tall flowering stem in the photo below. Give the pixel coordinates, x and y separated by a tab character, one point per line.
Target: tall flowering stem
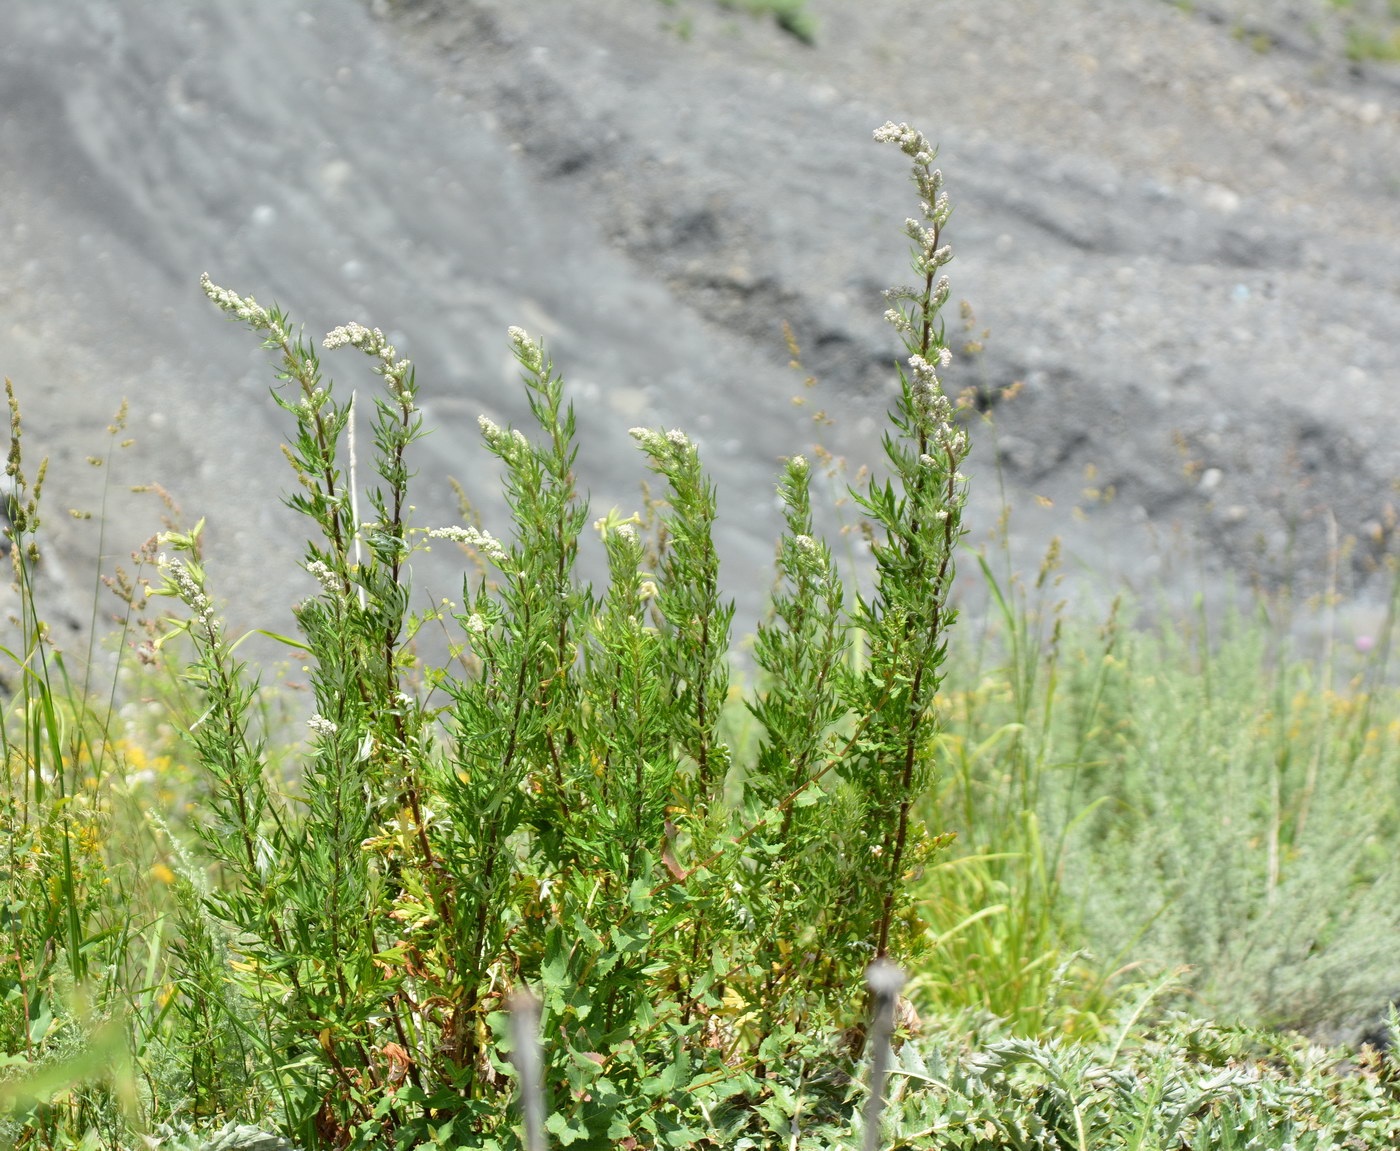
696	635
917	519
515	726
793	893
367	731
694	650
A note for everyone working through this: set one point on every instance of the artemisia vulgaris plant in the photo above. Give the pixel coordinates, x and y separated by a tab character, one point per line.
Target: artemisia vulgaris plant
572	821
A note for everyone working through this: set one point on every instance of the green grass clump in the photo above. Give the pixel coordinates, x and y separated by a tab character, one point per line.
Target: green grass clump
1362	30
1190	798
1261	808
1372	29
790	15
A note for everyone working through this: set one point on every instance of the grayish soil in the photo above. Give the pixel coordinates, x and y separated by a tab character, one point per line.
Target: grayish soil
1186	252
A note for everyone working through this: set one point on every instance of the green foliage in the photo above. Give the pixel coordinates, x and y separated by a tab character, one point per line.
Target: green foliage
1187	1084
1185	797
1005	930
570	818
1356	30
71	950
1251	796
1371	29
790	15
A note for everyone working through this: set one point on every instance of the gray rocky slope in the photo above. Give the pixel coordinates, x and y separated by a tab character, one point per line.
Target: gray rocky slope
1186	252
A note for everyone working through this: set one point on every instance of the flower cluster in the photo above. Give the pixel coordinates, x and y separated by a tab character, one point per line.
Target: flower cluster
312	402
930	253
656	444
504	442
911	140
937	298
932	406
190	592
933	255
372	342
914	308
484	542
621	539
527	351
328	580
322	726
927	178
244	308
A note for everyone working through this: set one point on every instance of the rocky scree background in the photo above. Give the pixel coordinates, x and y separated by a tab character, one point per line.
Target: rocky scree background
1179	224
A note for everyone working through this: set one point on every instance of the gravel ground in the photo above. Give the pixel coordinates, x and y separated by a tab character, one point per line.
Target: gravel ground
1180	226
